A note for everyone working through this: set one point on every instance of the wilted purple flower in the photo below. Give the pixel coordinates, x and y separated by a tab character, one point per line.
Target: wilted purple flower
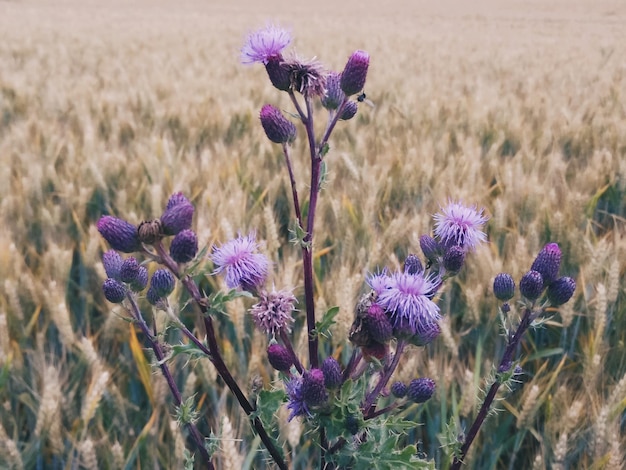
334	95
406	300
531	285
273	313
264	43
177	218
308	77
150	231
129	270
277	128
121	235
279	357
332	372
548	262
420	390
561	290
459	225
162	282
296	401
503	287
184	246
244	266
453	259
349	111
398	389
413	265
355	72
112	262
313	388
114	291
141	281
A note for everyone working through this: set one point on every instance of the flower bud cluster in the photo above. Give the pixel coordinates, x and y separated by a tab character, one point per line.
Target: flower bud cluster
418	390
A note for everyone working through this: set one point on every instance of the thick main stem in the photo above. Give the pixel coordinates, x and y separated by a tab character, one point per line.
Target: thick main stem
505	365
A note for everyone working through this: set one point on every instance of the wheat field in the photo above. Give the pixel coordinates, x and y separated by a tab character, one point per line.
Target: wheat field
109	107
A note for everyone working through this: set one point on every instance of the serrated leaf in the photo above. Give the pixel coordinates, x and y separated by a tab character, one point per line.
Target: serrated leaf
322	327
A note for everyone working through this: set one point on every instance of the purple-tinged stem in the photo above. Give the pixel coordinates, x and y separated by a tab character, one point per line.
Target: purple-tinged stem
382	411
289	346
292	180
331	124
178	400
505	364
369	405
355	358
294	100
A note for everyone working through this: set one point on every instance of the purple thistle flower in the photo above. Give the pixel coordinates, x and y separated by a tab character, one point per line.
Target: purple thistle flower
458	225
114	291
420	390
263	44
531	285
277	128
177	218
379	282
244	266
548	262
453	259
349	111
279	357
405	300
561	290
184	246
313	388
503	287
176	199
121	235
296	402
355	72
334	95
378	325
332	372
273	313
112	262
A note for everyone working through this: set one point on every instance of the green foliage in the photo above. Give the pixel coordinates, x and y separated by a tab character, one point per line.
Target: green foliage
322	327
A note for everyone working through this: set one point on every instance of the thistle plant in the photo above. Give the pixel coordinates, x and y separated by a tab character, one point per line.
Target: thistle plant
352	411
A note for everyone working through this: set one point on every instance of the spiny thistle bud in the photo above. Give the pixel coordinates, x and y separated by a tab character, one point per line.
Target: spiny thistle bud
176	199
548	262
141	281
378	324
355	72
114	291
162	282
453	259
503	287
129	270
112	262
153	296
332	372
430	248
413	265
531	285
279	357
349	111
277	128
425	333
278	73
398	389
313	388
420	390
334	95
150	231
177	218
184	246
121	235
561	290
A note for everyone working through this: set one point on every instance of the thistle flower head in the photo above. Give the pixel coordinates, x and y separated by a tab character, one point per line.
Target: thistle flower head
425	333
334	95
531	285
273	313
453	259
561	290
263	44
349	110
430	247
184	246
548	262
314	388
398	389
245	267
114	291
278	73
129	270
177	218
279	357
277	128
503	287
420	390
112	262
378	325
459	225
332	373
141	281
176	199
162	282
406	300
308	77
296	401
379	282
413	265
121	235
355	72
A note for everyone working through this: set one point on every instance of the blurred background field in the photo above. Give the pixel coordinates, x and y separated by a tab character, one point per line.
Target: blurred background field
109	107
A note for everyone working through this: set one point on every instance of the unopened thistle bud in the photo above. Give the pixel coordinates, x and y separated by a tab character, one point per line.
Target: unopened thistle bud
277	128
334	94
531	285
548	262
114	291
349	111
561	290
278	73
430	248
153	296
141	281
129	270
176	199
279	357
332	373
355	72
184	246
378	325
425	333
453	259
313	388
177	218
398	389
413	265
121	235
420	390
162	282
112	262
503	287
